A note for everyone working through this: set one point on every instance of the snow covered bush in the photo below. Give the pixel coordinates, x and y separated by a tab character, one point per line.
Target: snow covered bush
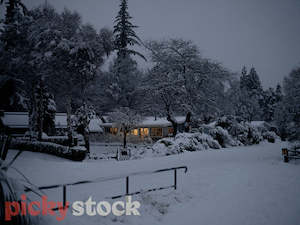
184	142
77	153
240	130
267	130
270	136
222	137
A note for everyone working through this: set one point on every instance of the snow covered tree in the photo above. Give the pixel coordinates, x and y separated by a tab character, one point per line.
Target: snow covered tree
278	93
124	33
106	37
126	119
282	120
119	87
248	106
199	80
269	104
167	94
84	114
14	46
15	10
77	53
12	8
12	94
42	111
291	102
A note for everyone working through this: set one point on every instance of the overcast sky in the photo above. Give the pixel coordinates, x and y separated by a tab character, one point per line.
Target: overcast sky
260	33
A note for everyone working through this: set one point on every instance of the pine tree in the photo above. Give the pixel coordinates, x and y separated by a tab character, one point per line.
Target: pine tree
42	113
250	96
15	10
12	8
292	102
124	33
278	93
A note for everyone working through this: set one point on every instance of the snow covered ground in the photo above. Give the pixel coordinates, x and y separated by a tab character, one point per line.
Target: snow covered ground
234	186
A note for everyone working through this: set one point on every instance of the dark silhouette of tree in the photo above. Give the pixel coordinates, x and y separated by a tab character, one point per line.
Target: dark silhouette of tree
124	33
12	7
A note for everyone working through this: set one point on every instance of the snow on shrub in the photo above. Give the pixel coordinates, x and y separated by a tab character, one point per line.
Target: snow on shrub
184	142
222	133
240	130
222	137
270	136
294	145
77	153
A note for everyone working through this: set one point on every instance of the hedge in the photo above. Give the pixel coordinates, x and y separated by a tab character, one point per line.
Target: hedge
77	153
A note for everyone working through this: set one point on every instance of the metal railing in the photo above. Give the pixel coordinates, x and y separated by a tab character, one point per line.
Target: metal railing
104	179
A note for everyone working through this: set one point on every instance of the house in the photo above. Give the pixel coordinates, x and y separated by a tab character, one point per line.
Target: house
17	123
155	128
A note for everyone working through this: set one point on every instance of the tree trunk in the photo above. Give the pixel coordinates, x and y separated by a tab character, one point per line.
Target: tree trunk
125	139
87	141
40	118
40	113
31	117
69	122
174	124
187	123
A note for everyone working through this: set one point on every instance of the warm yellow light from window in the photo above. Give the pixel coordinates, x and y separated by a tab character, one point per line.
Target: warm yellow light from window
144	131
135	132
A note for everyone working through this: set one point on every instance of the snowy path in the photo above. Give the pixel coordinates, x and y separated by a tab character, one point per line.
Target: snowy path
234	186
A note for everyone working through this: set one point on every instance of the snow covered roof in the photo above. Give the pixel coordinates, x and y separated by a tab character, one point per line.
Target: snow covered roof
257	123
95	125
20	120
15	119
61	120
150	121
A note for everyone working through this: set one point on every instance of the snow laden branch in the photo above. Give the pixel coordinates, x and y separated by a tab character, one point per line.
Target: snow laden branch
126	119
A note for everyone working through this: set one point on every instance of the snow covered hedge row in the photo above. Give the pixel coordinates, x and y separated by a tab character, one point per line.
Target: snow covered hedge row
60	140
77	153
223	133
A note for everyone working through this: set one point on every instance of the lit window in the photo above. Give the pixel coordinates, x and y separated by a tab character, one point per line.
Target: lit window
144	132
156	132
113	130
135	132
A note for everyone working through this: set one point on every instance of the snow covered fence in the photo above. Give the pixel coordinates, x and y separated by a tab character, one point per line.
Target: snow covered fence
105	179
76	153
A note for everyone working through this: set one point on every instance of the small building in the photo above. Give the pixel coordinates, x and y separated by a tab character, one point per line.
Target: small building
17	123
155	128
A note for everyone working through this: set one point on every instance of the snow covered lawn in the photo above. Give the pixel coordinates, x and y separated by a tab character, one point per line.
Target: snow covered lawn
234	186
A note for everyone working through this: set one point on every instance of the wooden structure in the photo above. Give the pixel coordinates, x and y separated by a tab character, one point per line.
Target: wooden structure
288	154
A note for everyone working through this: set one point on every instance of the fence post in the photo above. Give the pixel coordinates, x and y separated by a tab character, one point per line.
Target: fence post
285	153
175	179
64	195
127	185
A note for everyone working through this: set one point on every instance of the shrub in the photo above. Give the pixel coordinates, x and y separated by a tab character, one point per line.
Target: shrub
77	153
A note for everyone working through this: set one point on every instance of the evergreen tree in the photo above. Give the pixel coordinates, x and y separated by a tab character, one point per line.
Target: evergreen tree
292	102
278	93
42	111
15	10
250	96
269	104
12	8
124	33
